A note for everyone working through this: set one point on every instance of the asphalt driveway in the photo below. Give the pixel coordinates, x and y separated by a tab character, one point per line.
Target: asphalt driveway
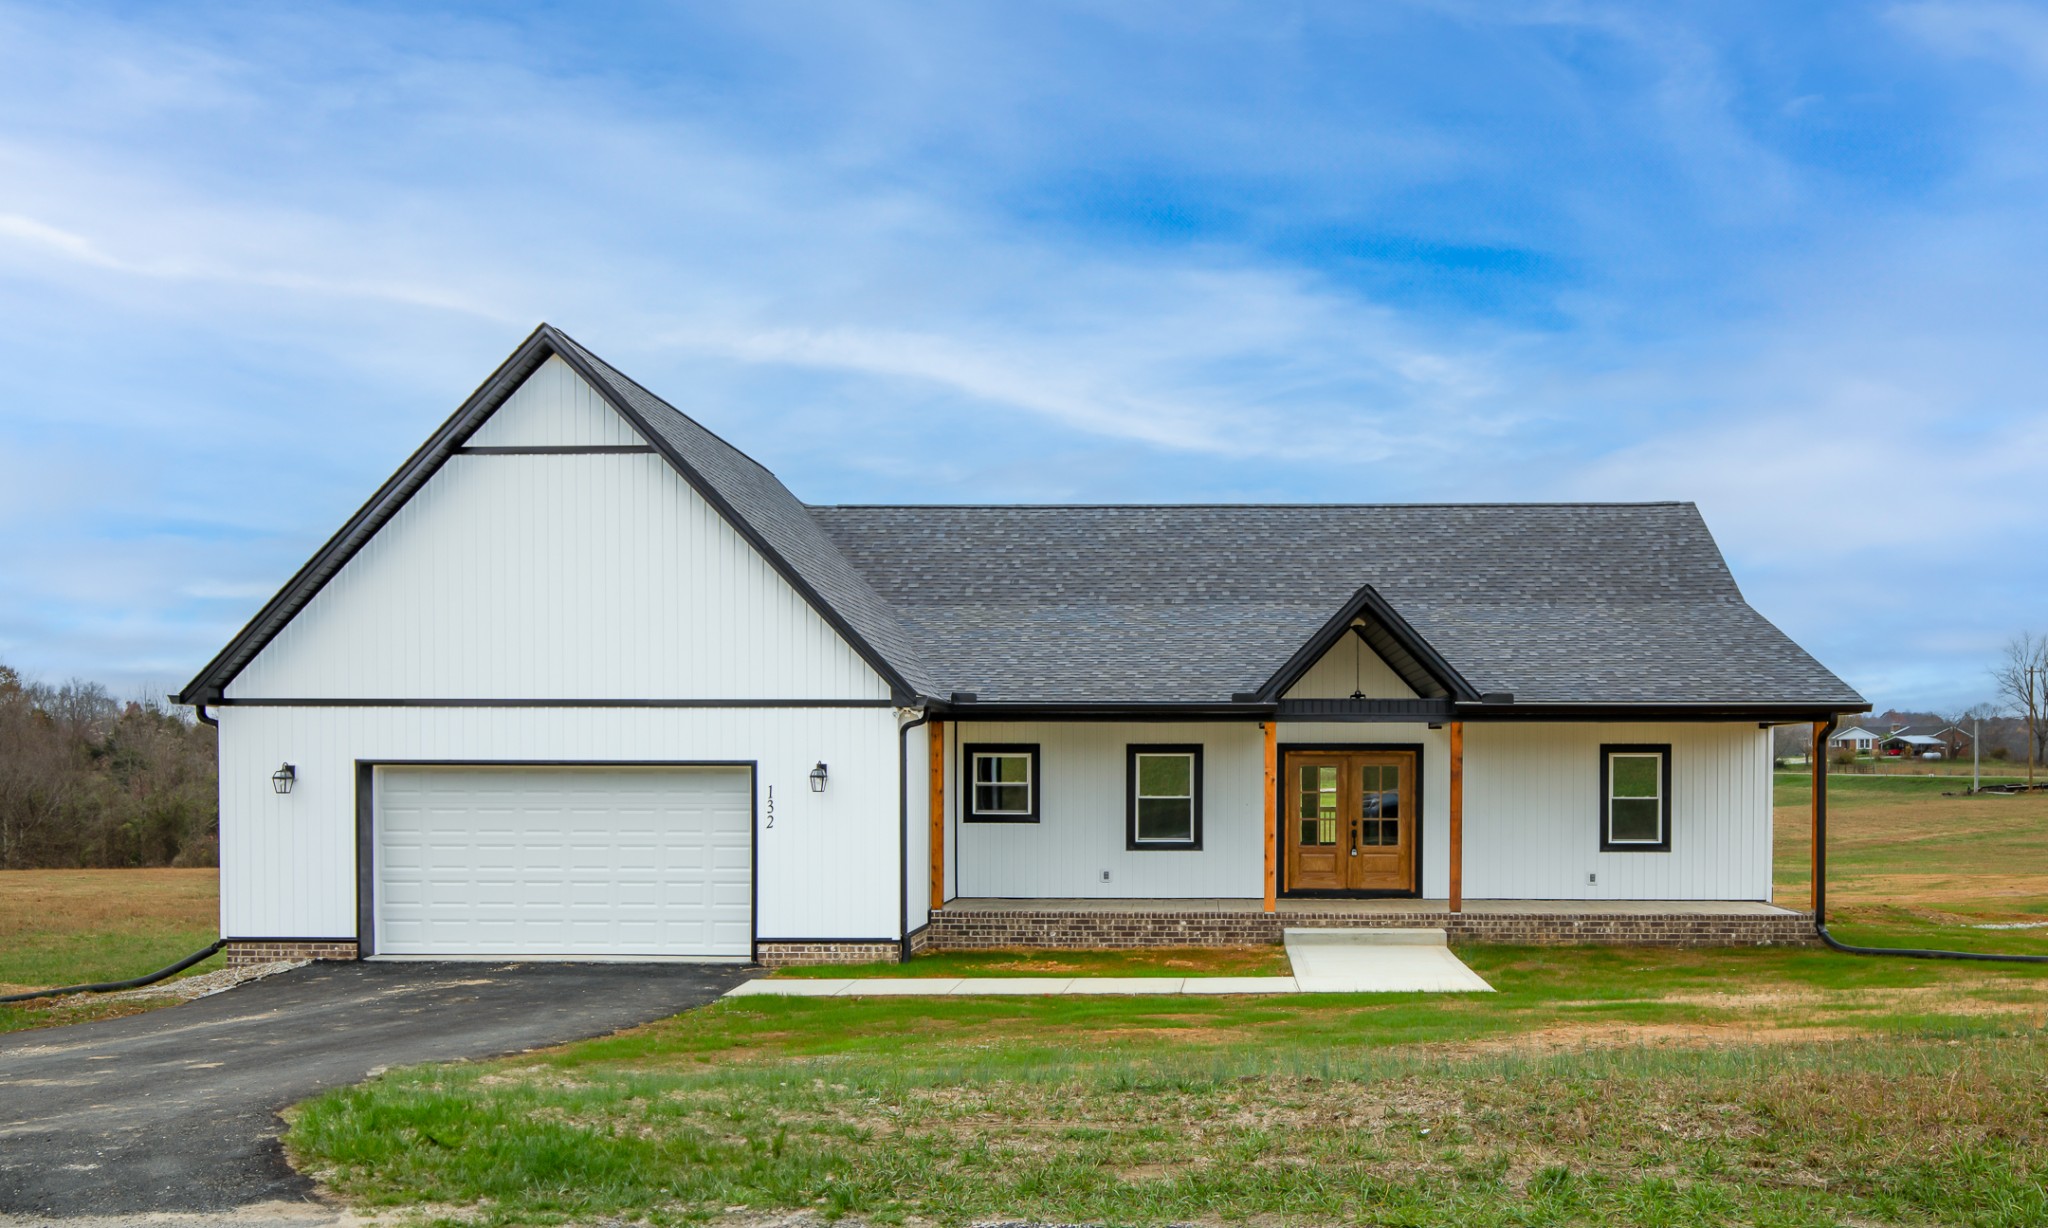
176	1110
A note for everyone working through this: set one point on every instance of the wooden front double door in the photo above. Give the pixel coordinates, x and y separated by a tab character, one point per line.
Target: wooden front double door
1350	821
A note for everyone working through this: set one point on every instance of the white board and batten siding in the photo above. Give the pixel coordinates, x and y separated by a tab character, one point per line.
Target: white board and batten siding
1531	812
558	576
566	577
917	827
827	868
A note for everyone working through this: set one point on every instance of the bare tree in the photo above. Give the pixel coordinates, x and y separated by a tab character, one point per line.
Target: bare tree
2022	679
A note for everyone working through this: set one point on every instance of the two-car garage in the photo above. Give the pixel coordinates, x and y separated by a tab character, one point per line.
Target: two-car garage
550	861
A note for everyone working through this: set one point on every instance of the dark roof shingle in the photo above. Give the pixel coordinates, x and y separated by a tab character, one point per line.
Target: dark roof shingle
1557	603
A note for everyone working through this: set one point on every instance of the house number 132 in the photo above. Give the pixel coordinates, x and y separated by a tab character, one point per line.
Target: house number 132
771	805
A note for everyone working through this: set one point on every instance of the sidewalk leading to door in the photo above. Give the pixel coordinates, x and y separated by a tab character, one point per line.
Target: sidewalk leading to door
1325	961
1378	961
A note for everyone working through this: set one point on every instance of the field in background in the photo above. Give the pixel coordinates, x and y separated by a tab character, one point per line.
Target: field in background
69	927
1910	866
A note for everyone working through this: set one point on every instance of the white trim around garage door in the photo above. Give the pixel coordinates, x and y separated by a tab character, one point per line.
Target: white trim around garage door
367	871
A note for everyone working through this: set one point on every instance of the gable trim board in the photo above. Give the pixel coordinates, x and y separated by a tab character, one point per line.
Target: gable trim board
544	343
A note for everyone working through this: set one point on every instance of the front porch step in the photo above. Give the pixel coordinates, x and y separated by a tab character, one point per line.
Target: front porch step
1355	937
1378	961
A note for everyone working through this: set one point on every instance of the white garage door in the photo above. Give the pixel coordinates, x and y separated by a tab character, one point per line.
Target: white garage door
564	862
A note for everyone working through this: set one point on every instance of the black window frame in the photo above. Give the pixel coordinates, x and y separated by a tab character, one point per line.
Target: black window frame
1131	842
1607	752
969	813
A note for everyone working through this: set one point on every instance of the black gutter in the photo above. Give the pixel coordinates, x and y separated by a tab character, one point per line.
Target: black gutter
1821	730
974	711
1652	712
1248	709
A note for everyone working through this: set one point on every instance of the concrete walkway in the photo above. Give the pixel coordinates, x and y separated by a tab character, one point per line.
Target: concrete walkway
1325	961
1379	961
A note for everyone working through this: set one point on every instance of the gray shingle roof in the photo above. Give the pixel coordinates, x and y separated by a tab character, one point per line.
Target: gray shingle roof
1557	603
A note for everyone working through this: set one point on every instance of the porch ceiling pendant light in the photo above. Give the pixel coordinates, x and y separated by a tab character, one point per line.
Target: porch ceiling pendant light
282	779
1357	665
818	778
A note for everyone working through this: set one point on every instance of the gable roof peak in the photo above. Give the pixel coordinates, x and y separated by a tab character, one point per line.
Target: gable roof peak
739	488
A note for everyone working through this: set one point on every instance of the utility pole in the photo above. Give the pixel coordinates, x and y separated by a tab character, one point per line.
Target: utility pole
1976	756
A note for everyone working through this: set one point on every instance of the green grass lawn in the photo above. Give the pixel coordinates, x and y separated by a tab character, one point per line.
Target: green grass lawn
69	927
1766	1087
1600	1086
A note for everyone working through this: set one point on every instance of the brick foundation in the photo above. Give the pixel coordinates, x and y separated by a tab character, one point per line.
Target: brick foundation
787	954
242	952
1056	930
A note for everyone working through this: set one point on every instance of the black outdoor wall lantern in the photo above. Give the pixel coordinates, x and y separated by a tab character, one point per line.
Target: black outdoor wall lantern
818	778
281	780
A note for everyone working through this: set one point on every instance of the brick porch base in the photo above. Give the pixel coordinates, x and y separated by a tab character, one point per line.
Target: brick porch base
982	924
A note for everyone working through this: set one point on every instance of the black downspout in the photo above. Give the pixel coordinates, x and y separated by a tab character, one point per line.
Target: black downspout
903	836
1820	874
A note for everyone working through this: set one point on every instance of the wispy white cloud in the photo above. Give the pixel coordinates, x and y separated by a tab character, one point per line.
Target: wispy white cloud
1558	250
2016	34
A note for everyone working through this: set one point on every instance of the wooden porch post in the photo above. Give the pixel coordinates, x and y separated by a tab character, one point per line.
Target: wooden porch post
938	842
1272	817
1457	816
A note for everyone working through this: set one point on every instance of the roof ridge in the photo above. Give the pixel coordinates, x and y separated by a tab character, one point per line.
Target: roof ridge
1016	507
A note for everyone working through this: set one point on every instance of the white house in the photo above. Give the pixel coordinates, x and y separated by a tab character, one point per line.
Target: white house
1855	738
582	680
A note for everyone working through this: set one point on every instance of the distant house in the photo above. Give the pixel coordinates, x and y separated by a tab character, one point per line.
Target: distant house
1854	738
1955	739
1912	745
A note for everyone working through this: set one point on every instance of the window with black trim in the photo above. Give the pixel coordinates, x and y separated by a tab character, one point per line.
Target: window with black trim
1001	783
1635	799
1163	797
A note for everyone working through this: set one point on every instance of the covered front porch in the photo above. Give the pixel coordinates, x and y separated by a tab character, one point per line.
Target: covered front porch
969	923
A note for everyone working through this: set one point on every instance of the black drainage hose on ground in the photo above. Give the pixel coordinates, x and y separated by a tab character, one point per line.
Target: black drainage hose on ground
133	982
1816	755
1918	953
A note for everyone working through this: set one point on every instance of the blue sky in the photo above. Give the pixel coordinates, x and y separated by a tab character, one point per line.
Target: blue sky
1783	260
